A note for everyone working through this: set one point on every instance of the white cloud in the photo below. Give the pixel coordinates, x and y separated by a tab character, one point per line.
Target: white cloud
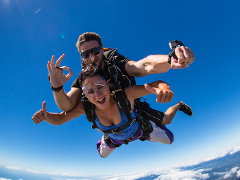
178	174
34	171
164	174
1	178
219	173
175	172
230	150
235	149
238	173
130	176
13	167
171	172
37	10
231	172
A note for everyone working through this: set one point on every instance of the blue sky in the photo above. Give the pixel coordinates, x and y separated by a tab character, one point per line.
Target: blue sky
32	31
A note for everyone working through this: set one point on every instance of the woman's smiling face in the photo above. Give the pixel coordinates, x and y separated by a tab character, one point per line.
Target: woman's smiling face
97	91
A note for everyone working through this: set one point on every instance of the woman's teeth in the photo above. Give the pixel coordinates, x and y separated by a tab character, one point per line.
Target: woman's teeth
101	100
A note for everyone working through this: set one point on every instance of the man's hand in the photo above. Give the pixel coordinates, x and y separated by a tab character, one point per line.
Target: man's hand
57	78
39	116
185	57
163	92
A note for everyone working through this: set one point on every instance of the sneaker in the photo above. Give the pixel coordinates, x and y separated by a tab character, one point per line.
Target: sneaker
185	108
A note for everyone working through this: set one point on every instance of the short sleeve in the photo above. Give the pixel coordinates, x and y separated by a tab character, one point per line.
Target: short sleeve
76	84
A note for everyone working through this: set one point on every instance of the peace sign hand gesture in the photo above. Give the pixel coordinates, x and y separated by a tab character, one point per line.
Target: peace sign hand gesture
57	78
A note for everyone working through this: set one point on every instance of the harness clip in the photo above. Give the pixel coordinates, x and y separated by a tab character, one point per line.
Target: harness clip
116	131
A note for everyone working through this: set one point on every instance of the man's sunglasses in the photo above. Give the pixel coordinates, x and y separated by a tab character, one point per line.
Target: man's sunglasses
93	51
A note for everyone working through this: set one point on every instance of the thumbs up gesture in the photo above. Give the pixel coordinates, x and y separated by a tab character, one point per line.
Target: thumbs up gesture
39	116
163	92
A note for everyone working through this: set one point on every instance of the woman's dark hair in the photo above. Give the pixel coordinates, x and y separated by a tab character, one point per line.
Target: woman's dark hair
90	71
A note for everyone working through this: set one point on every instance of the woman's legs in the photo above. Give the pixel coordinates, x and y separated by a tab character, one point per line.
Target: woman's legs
161	134
103	149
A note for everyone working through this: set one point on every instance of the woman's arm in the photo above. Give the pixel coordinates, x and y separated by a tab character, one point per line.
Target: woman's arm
55	118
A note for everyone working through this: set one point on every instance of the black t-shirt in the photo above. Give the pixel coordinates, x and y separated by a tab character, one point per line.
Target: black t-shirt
120	62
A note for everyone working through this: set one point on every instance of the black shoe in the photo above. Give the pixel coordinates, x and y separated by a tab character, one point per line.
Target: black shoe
185	108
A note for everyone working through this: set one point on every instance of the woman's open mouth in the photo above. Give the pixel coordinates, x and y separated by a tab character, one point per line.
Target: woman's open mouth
101	101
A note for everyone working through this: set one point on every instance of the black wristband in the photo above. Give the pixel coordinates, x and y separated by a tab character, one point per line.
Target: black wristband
57	89
173	45
172	53
169	60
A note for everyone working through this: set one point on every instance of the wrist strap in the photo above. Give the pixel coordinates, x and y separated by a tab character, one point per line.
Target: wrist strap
169	59
173	44
57	89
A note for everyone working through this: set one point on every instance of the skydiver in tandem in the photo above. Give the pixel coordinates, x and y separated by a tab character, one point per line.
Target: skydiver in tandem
115	112
117	66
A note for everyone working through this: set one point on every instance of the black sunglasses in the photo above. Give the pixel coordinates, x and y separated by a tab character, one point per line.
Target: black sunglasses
93	51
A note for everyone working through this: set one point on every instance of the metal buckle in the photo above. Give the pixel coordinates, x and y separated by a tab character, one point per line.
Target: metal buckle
115	131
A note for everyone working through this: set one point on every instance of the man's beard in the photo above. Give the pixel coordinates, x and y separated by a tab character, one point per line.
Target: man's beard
86	64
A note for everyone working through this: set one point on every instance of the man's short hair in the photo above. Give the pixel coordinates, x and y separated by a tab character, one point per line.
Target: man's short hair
86	37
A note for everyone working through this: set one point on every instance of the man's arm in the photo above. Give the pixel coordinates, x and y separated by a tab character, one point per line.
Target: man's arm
65	102
160	88
154	64
68	101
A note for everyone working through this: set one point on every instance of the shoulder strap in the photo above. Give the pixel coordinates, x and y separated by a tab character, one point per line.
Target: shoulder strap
89	111
110	53
116	88
121	99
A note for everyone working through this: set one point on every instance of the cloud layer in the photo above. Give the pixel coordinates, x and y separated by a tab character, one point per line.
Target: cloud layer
175	172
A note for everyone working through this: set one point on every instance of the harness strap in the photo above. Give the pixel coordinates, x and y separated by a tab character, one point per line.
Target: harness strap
146	131
88	108
119	129
124	105
114	71
126	141
107	139
120	97
146	125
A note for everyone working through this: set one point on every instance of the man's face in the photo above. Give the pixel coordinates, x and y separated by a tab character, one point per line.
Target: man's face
90	58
